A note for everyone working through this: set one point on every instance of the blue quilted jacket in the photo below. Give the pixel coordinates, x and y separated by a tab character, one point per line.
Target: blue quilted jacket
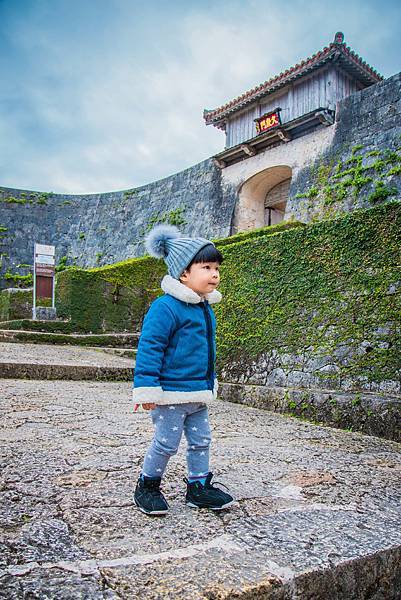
177	348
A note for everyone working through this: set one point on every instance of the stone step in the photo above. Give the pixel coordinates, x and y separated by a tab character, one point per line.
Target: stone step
369	412
31	361
57	326
124	340
124	352
71	372
316	514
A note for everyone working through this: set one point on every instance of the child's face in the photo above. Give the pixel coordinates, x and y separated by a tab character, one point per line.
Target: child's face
202	278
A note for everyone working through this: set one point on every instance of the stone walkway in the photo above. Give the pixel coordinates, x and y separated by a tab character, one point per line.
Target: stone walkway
317	515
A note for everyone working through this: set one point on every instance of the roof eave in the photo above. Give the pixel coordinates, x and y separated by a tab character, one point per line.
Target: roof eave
335	52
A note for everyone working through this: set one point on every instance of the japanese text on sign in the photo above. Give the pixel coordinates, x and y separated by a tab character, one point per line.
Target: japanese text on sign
44	270
267	121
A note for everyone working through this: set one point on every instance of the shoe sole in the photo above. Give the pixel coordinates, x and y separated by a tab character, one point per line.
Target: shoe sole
153	512
211	507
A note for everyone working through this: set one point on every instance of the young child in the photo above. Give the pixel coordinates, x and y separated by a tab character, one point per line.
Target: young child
175	369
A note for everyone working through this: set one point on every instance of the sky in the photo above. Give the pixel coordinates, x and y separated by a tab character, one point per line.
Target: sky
104	95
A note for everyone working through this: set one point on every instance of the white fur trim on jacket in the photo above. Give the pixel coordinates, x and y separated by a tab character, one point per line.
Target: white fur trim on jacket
144	395
177	289
156	395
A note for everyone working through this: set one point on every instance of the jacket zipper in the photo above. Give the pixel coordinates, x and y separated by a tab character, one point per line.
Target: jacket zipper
209	340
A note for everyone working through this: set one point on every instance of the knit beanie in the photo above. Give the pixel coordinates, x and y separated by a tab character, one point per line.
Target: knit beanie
165	241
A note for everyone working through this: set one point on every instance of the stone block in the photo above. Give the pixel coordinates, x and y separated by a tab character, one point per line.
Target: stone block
46	313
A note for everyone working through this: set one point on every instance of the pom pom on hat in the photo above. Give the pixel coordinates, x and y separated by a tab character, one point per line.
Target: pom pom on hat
165	241
156	241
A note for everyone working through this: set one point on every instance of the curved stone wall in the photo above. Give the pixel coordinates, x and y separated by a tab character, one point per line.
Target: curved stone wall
97	229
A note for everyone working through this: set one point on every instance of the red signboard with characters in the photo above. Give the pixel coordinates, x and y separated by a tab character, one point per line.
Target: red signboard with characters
44	270
268	121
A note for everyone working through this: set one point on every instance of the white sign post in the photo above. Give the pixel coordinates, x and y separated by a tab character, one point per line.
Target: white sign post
43	266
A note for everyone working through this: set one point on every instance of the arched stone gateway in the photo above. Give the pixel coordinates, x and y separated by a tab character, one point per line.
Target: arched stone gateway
262	199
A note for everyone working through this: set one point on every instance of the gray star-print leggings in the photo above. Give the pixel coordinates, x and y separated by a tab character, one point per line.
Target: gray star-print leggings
169	422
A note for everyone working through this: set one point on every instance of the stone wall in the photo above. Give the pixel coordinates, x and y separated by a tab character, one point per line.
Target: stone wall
362	165
310	321
92	230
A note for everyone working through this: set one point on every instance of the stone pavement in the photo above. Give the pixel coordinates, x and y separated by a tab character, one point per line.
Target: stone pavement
317	514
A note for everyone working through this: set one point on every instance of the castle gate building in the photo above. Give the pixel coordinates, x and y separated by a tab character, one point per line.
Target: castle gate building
277	128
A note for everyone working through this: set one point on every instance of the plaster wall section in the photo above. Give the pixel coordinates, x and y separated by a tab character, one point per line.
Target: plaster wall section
296	154
292	158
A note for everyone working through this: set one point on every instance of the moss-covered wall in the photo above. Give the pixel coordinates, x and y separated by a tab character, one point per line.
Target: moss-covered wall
309	305
112	298
4	306
317	306
362	165
15	304
116	297
310	321
353	176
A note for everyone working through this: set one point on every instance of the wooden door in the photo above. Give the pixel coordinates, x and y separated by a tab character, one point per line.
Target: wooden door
44	288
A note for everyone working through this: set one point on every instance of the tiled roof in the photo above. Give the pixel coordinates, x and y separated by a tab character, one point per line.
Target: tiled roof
337	50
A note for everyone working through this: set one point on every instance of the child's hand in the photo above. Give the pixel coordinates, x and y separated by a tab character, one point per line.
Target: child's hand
149	406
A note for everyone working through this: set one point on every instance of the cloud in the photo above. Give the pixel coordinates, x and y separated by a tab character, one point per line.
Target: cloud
109	95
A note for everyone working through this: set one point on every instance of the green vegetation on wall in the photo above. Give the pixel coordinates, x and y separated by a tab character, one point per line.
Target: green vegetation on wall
110	298
15	304
365	174
254	233
172	217
309	290
4	306
21	281
25	197
18	280
315	290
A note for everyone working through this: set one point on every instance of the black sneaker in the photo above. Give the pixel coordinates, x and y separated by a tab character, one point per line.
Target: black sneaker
207	496
149	498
